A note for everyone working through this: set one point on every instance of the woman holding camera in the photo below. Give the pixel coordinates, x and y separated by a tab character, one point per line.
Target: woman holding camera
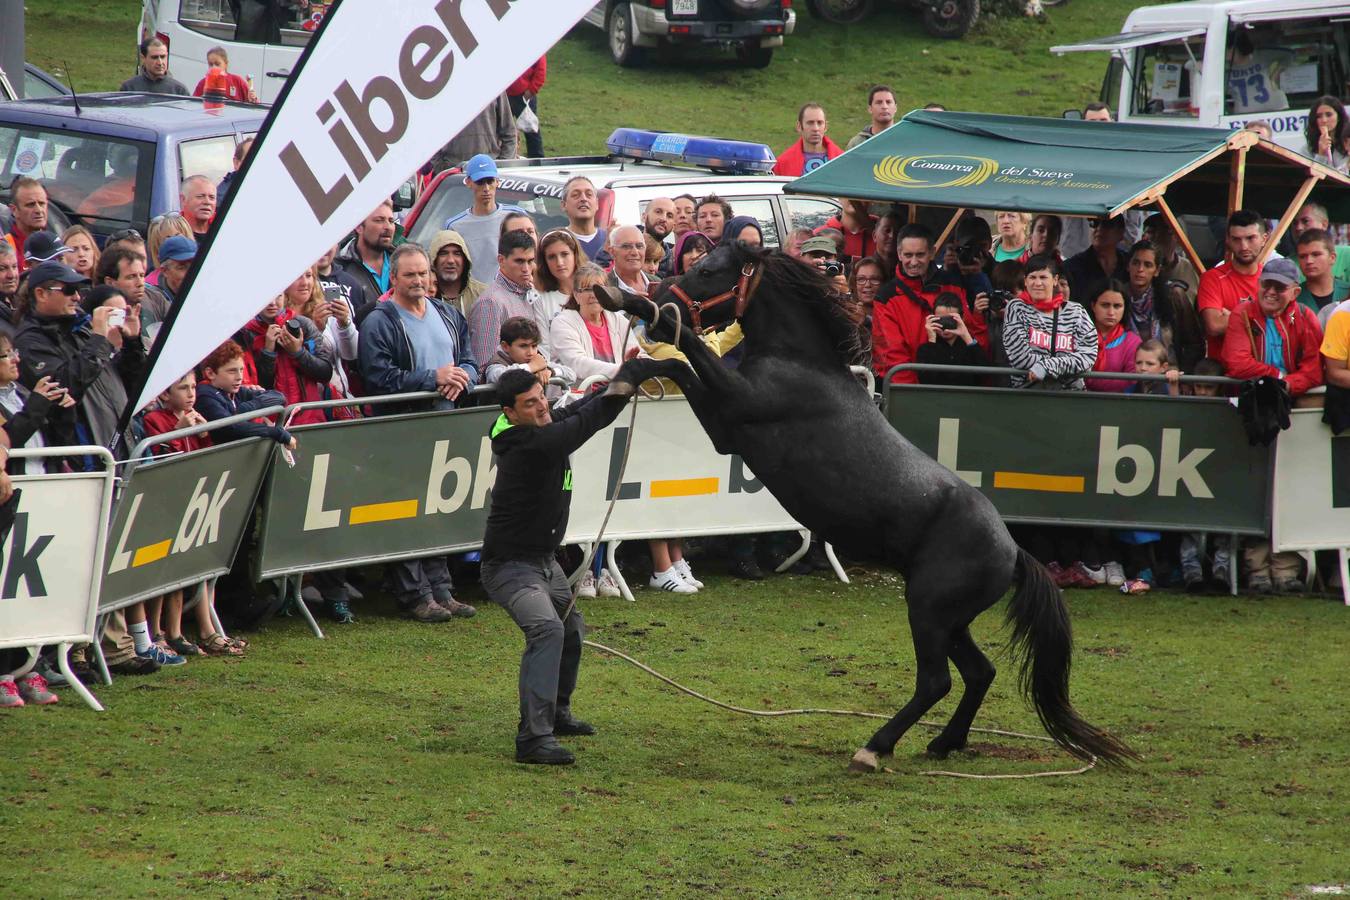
290	352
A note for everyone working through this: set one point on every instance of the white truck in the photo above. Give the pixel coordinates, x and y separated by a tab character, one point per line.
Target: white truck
1224	64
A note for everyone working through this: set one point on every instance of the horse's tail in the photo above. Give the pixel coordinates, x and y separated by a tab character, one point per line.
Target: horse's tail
1042	643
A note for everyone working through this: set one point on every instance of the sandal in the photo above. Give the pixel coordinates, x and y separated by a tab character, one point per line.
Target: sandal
183	647
216	644
1135	586
239	643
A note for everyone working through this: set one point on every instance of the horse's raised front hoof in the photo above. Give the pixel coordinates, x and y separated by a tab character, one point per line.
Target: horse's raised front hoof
609	298
620	389
865	761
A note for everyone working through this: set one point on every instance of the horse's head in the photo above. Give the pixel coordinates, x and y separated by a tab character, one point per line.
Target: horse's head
712	293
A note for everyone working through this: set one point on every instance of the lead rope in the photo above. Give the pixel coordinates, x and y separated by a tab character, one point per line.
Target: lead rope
777	713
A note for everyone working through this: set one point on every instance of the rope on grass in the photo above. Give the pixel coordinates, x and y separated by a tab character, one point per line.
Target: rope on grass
776	713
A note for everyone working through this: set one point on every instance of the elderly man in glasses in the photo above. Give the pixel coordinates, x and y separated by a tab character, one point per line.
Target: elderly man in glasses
628	248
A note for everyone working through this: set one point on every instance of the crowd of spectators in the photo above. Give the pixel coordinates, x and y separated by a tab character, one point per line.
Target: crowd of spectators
1059	300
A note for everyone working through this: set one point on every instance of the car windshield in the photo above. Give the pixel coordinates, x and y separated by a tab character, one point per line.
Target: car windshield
99	181
541	199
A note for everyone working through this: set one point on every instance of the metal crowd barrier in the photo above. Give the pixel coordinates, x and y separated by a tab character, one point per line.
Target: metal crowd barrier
58	633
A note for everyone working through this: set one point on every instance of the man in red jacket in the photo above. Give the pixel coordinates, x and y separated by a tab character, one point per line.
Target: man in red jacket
813	149
523	92
1273	334
902	306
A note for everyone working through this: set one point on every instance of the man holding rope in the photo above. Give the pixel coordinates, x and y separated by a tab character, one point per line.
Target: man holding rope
532	496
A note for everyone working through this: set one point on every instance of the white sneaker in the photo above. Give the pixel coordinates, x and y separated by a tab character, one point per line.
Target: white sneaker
586	586
1115	574
670	580
687	573
606	586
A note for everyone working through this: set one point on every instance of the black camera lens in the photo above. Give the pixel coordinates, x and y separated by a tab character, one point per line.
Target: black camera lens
833	268
293	327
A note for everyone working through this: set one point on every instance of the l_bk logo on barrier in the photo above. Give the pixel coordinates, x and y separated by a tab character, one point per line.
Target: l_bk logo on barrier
23	561
198	526
443	495
739	479
1164	472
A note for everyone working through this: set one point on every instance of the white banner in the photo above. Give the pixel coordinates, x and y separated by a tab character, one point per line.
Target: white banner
674	485
1311	504
378	91
48	592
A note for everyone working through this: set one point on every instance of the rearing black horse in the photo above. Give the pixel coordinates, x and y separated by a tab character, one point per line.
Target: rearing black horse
813	436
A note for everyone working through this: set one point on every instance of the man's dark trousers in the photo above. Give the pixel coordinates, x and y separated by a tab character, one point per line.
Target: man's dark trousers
535	595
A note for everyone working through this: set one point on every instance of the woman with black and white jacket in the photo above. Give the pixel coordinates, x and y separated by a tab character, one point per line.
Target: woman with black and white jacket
1054	340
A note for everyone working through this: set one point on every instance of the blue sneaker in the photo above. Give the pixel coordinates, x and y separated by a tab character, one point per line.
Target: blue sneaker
164	657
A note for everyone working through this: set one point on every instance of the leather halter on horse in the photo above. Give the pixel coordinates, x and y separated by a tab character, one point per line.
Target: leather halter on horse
741	292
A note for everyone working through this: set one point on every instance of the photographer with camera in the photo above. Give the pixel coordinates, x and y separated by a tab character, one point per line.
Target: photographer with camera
903	305
950	344
291	348
822	252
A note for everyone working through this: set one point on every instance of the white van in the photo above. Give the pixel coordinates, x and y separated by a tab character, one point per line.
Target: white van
192	27
1224	64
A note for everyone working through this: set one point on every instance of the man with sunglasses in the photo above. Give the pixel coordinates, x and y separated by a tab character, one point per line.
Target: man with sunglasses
481	224
54	343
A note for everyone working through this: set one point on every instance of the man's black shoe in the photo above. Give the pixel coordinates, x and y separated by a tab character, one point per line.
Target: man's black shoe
747	569
546	755
566	726
137	665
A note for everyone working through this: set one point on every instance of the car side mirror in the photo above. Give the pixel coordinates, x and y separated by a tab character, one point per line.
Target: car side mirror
405	196
1073	114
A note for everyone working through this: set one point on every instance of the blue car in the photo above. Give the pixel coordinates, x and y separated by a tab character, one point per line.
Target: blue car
117	161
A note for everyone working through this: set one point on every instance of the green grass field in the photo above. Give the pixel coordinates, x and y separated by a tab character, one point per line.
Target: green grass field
1003	66
378	762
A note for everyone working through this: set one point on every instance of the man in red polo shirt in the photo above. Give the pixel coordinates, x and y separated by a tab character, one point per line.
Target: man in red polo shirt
1226	285
813	149
29	210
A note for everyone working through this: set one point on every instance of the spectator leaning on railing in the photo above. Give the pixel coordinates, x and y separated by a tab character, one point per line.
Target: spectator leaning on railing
1054	340
1274	335
413	342
903	305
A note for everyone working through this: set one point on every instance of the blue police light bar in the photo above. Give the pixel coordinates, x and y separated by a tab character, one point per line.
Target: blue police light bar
742	157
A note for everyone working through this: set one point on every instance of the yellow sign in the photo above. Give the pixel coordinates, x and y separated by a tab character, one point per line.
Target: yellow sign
934	171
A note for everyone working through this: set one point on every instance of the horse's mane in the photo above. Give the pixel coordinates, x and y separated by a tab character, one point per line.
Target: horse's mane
799	282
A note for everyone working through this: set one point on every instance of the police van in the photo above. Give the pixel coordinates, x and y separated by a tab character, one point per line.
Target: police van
641	166
257	51
1225	64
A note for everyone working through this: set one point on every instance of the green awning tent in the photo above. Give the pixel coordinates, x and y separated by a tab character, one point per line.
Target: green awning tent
1066	166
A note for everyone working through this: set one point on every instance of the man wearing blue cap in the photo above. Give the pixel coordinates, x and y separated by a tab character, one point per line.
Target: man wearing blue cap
175	258
480	225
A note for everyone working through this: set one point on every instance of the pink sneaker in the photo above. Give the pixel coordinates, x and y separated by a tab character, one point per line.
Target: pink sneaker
9	692
33	689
